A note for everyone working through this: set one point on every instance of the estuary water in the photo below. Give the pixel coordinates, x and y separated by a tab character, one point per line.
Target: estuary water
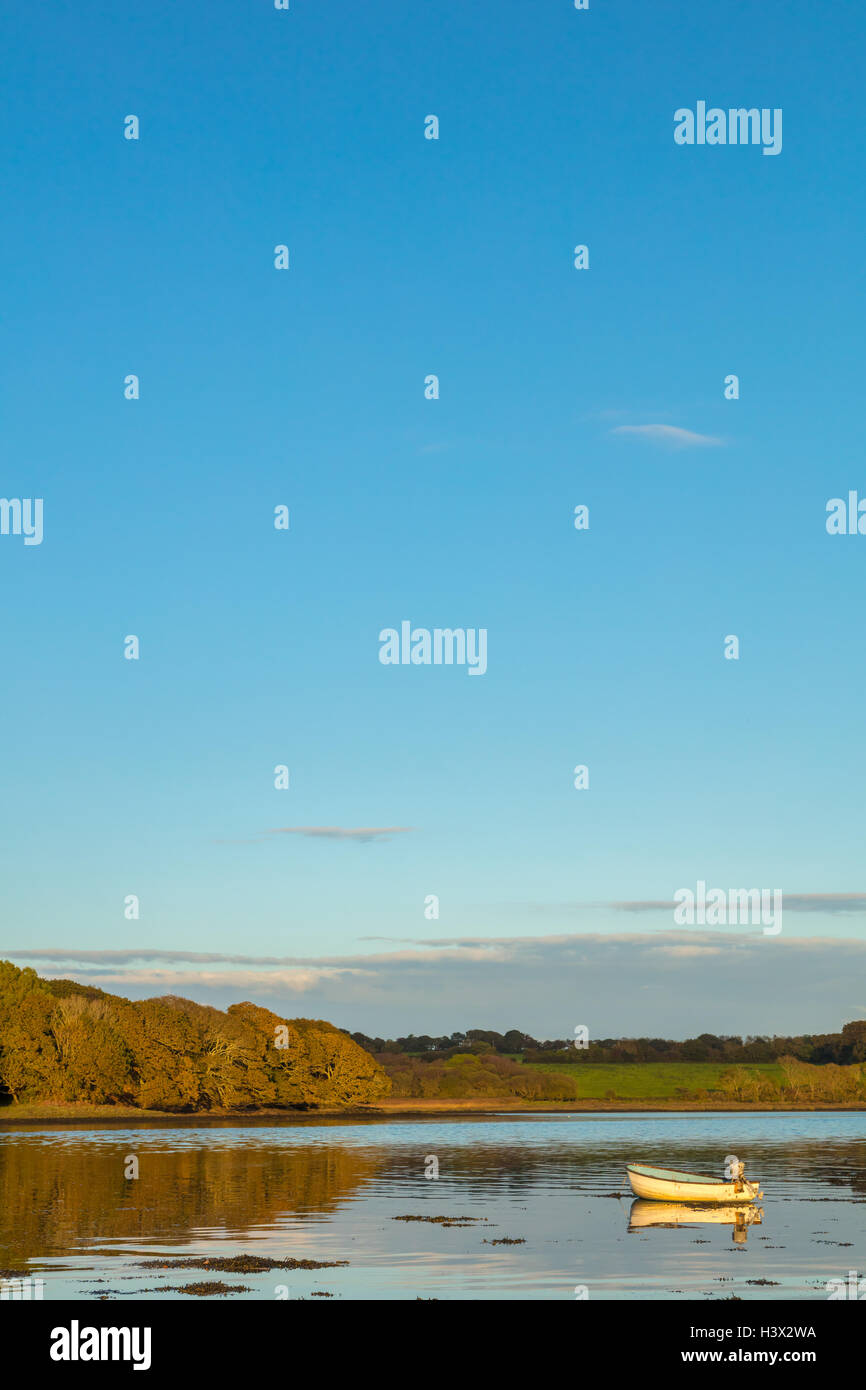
549	1187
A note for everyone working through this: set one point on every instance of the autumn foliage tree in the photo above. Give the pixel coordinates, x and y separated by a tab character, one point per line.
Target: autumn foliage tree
65	1042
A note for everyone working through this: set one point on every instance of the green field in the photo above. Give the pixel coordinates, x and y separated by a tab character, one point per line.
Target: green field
653	1080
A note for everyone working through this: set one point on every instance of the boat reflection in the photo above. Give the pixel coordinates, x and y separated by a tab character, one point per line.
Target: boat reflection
670	1215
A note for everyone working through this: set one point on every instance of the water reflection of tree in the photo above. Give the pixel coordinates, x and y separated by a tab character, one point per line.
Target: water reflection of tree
55	1199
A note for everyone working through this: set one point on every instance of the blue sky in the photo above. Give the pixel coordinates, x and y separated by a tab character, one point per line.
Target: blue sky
306	387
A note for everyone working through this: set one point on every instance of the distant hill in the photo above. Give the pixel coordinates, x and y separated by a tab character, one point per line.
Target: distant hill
62	1042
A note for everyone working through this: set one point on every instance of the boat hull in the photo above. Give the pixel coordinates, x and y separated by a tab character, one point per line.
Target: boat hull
670	1189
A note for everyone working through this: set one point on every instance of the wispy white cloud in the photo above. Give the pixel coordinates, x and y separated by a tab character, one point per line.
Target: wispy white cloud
792	902
141	953
192	982
669	435
824	902
363	834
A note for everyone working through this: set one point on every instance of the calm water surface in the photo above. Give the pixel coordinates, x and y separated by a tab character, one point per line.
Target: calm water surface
330	1190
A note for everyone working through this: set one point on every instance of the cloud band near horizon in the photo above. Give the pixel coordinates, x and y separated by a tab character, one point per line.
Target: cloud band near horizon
672	983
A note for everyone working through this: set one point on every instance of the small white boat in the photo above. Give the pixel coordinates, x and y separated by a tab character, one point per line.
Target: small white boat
668	1185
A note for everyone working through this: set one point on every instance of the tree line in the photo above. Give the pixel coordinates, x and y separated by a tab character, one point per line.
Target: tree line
62	1042
467	1075
819	1049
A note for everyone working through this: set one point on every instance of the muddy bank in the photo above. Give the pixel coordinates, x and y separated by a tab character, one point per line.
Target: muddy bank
396	1109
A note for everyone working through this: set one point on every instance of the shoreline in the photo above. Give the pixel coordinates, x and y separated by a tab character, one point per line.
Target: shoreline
399	1108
